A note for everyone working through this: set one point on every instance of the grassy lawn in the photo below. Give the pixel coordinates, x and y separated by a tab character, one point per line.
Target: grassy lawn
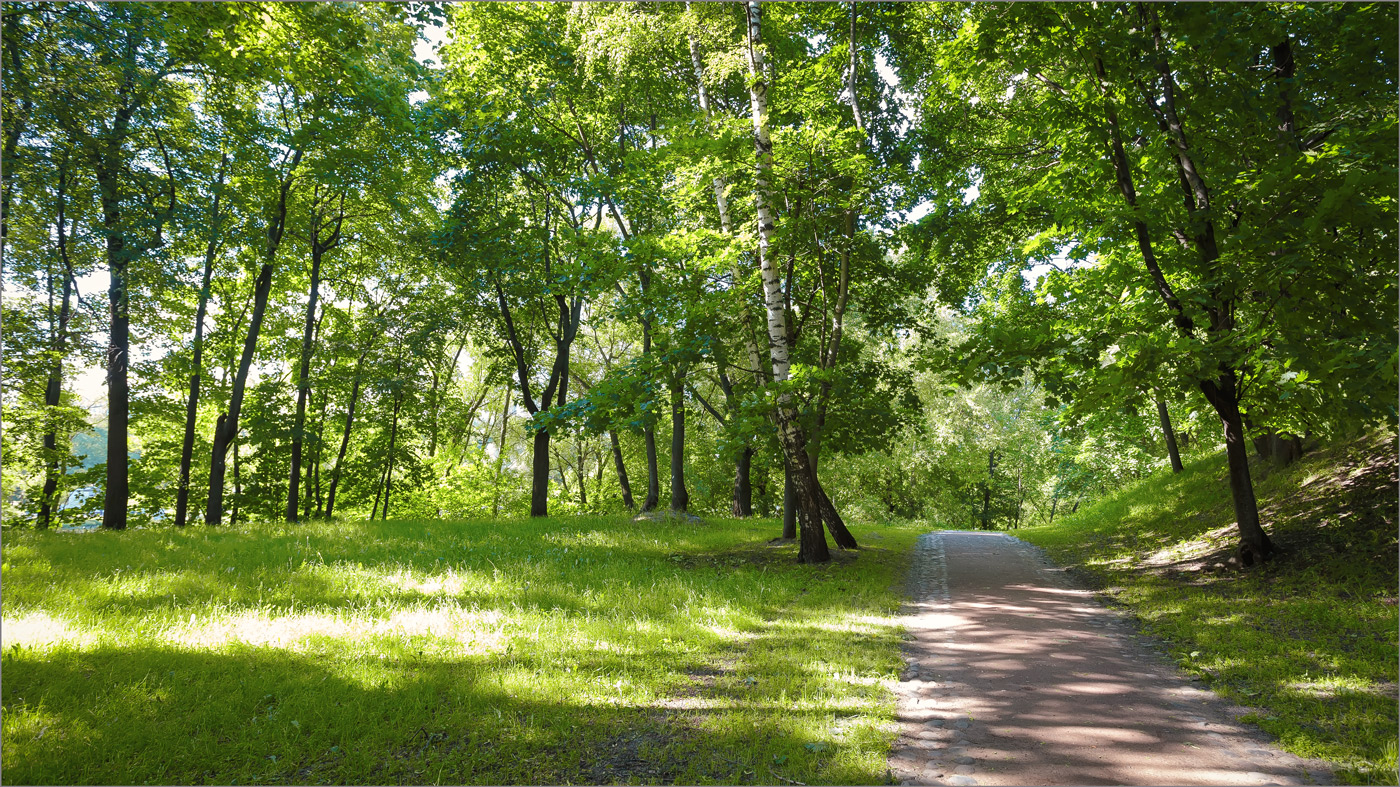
1309	641
537	652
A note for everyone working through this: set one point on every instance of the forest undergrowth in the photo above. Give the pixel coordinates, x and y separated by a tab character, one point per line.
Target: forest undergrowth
1308	642
499	652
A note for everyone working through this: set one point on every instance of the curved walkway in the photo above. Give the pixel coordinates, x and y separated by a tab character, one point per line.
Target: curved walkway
1017	677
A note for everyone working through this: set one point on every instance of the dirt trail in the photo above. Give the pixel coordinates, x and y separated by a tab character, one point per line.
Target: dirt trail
1018	677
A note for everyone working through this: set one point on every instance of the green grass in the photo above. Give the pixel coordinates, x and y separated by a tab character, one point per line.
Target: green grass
540	652
1309	641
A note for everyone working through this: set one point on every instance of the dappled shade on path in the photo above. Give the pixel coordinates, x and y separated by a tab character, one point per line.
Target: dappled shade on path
1016	677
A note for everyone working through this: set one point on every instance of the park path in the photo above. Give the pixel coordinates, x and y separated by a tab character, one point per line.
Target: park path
1016	676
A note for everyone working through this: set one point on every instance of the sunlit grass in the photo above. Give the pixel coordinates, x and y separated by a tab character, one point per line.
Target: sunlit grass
564	650
1310	640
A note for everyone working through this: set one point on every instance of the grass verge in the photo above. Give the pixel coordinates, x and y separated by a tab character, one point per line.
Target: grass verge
538	652
1310	640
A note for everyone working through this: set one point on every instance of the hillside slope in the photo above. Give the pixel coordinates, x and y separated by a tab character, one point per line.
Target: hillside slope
1308	643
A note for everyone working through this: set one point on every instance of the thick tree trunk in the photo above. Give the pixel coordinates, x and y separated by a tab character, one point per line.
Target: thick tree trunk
743	488
1169	434
830	517
1255	546
118	349
789	503
237	484
680	498
622	481
812	543
214	508
539	475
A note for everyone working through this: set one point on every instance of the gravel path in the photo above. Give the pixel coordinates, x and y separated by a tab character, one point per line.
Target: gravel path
1017	677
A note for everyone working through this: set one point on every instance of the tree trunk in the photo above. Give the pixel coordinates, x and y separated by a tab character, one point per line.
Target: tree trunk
501	454
622	481
539	474
812	547
743	489
722	205
1020	499
1255	545
182	495
319	247
116	489
1169	434
319	456
53	391
680	498
987	490
653	497
1220	392
582	487
345	435
653	471
833	520
378	493
237	483
393	437
214	509
789	503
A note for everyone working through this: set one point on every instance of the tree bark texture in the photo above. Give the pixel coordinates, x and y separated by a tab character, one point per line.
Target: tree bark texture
812	546
539	474
743	488
116	489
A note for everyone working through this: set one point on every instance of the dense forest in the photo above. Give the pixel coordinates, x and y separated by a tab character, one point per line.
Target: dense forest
972	263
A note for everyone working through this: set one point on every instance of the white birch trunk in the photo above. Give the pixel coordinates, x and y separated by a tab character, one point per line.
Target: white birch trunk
763	203
725	225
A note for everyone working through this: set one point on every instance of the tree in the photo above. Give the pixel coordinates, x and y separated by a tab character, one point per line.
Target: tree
1220	223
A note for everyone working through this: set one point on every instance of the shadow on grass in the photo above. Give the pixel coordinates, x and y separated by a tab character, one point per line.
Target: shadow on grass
257	715
390	706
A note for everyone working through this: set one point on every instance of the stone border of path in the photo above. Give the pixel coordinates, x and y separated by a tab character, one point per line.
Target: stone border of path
951	734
